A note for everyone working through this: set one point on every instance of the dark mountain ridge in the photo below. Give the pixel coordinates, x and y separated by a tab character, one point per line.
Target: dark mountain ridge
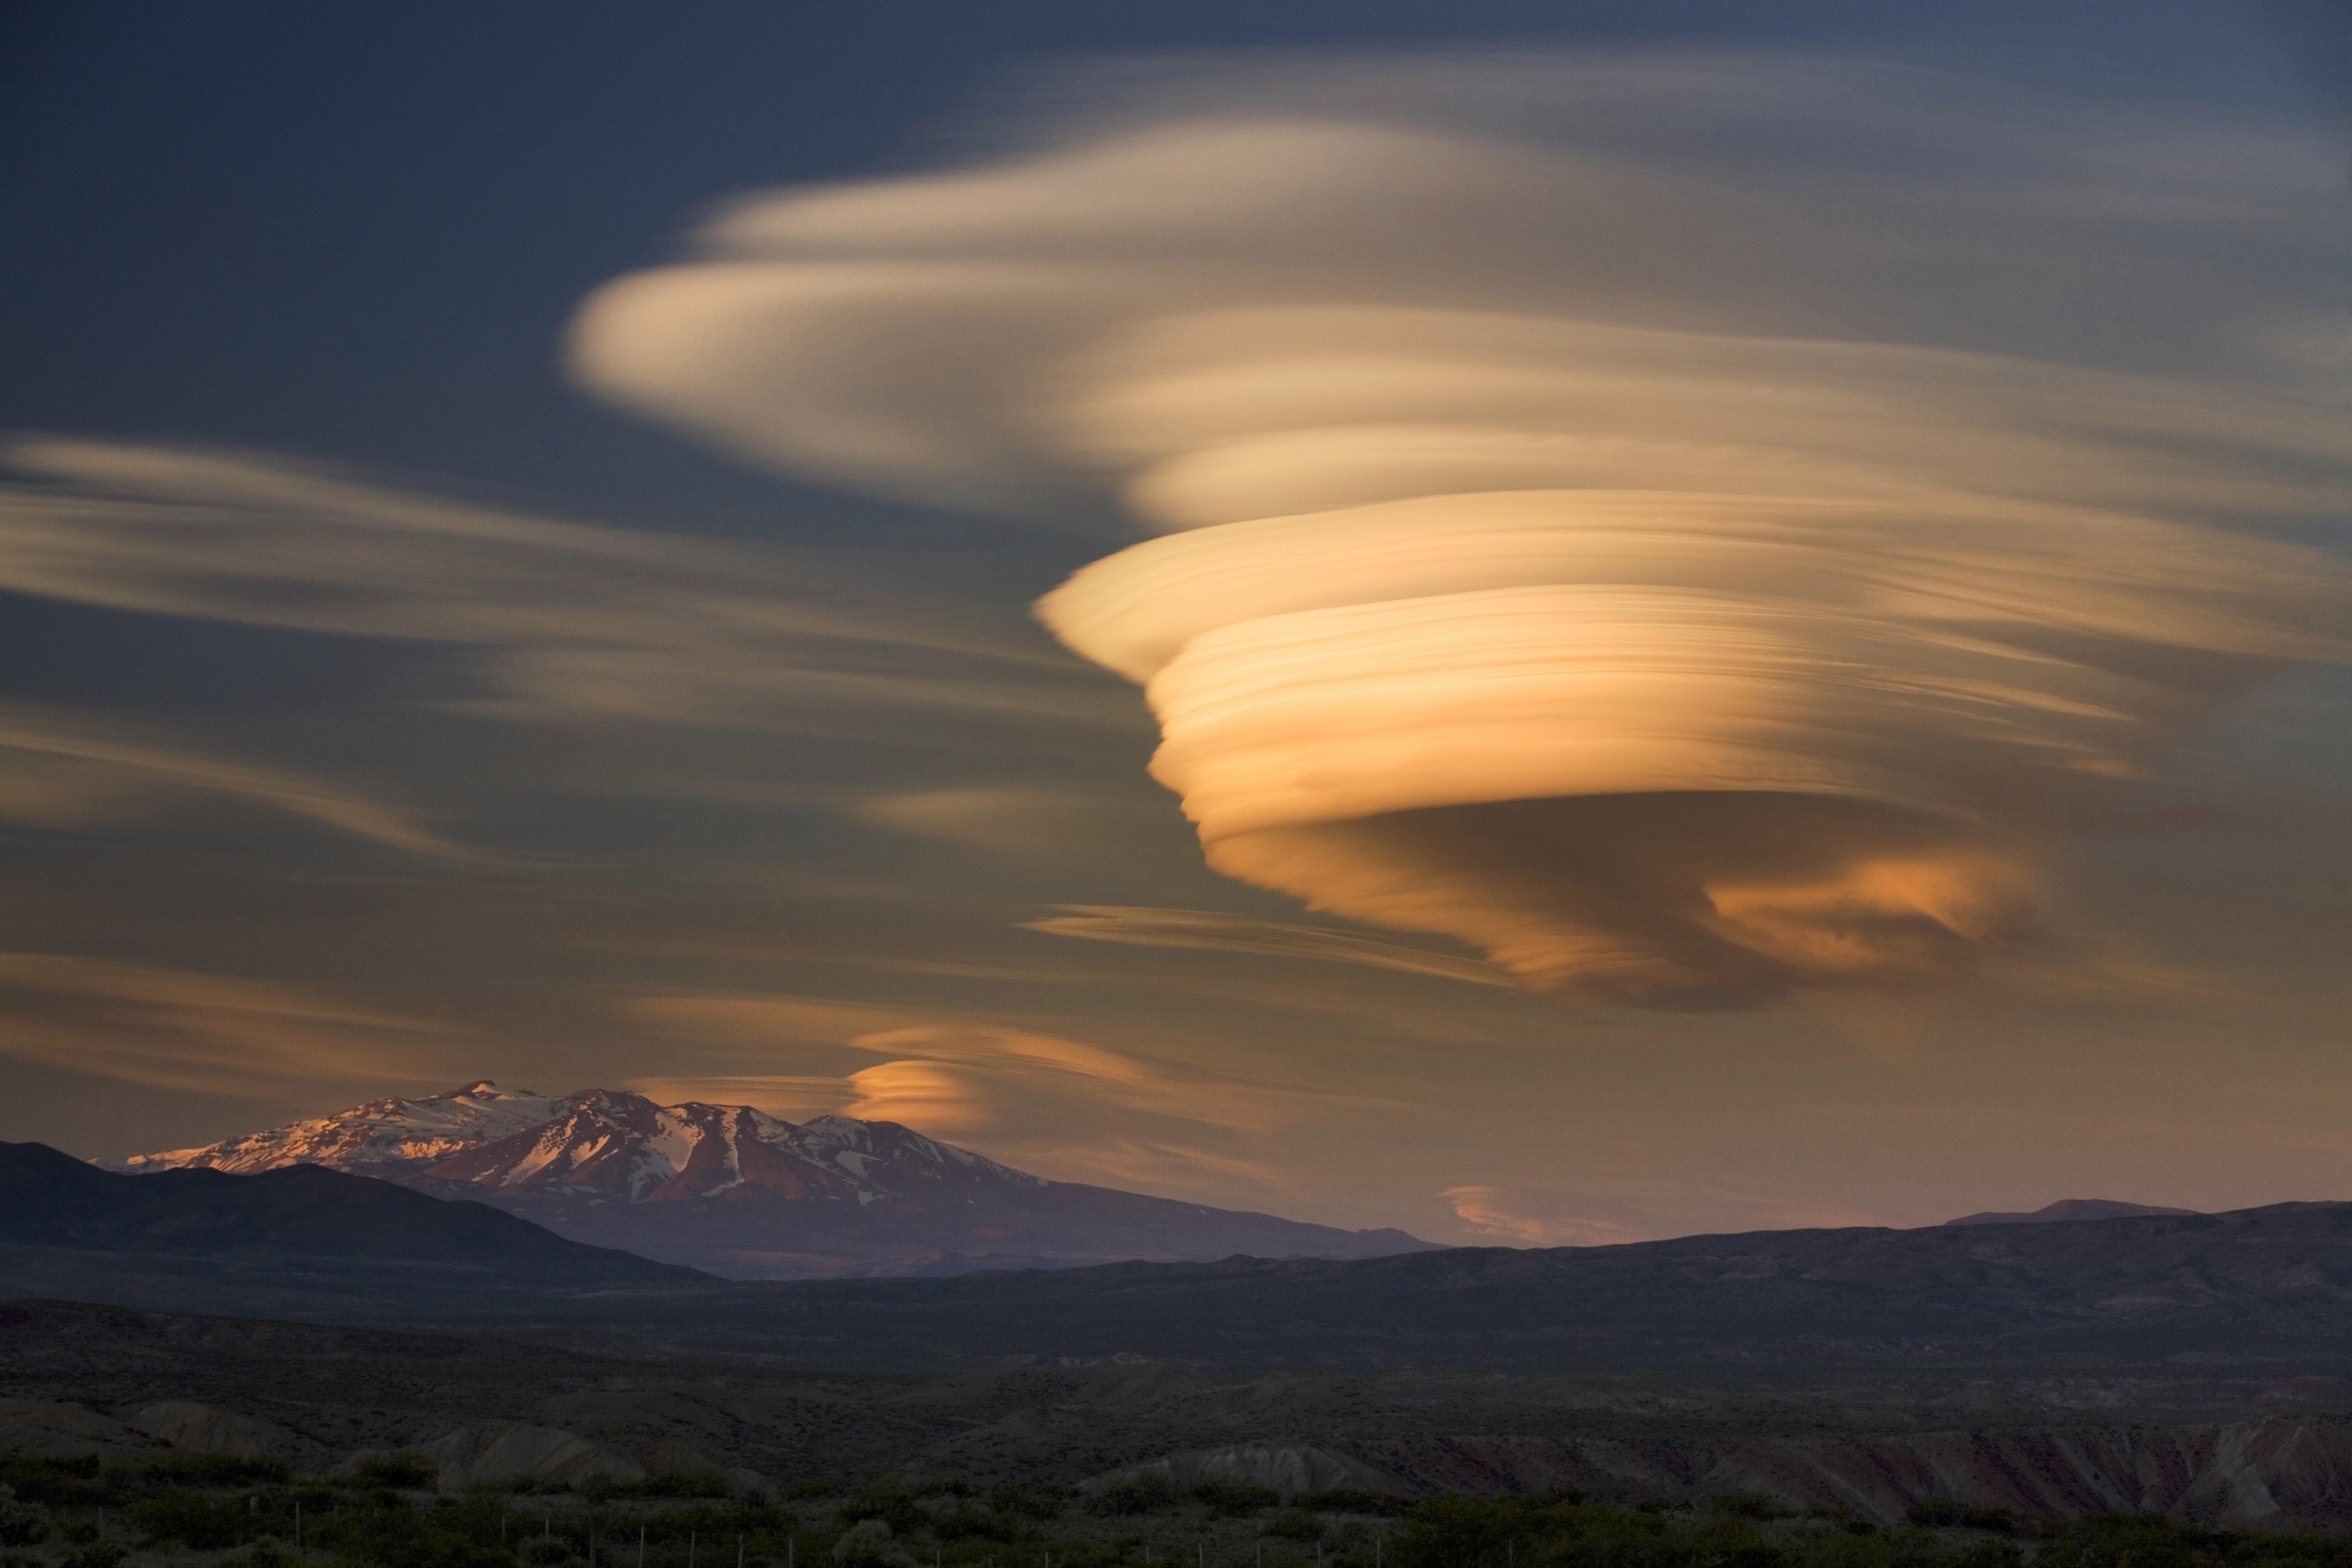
2262	1289
2256	1287
298	1215
2066	1209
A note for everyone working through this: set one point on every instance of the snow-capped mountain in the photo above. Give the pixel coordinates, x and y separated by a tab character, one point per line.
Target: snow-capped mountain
622	1145
402	1133
607	1143
731	1189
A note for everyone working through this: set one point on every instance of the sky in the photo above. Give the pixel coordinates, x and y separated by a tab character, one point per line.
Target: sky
1540	623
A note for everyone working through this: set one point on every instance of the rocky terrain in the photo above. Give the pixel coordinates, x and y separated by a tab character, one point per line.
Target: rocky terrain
2278	1472
2198	1366
2249	1451
736	1192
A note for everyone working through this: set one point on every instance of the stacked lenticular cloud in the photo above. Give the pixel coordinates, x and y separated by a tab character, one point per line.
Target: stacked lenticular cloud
1642	555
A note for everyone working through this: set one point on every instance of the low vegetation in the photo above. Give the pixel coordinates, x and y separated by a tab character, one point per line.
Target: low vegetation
232	1513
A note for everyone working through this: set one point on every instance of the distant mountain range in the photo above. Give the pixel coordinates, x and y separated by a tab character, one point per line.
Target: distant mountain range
2267	1288
2066	1209
734	1191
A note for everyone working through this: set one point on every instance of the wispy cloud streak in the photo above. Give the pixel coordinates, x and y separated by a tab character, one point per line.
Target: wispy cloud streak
1242	933
574	622
73	768
205	1034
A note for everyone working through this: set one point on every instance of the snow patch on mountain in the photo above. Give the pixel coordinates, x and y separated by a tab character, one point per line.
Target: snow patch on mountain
608	1143
380	1133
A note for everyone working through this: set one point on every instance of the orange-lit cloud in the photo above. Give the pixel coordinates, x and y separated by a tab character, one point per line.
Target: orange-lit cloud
1491	1212
1688	569
1241	934
1609	1211
1066	1108
206	1034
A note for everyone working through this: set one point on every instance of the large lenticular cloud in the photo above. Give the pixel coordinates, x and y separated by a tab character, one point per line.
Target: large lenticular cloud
1693	530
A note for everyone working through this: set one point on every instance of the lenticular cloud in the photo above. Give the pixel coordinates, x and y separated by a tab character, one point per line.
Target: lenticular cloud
1694	530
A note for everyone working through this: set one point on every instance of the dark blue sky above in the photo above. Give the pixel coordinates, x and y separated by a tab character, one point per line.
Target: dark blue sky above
357	231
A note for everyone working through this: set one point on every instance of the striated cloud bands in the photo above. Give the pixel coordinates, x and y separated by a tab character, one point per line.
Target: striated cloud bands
202	1034
1604	518
576	623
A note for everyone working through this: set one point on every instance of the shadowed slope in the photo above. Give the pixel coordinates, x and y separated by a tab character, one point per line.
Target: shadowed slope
51	1200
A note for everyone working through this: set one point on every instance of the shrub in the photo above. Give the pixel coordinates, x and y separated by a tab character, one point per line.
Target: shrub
973	1524
867	1544
398	1471
1022	1500
1453	1532
1749	1505
434	1549
894	1505
204	1524
1147	1493
1296	1524
60	1483
1352	1499
22	1524
677	1483
1235	1499
2146	1541
2005	1554
1845	1519
263	1554
1948	1514
204	1470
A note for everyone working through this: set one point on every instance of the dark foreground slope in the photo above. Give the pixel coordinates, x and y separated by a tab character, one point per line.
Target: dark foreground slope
280	1238
2258	1287
2261	1451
